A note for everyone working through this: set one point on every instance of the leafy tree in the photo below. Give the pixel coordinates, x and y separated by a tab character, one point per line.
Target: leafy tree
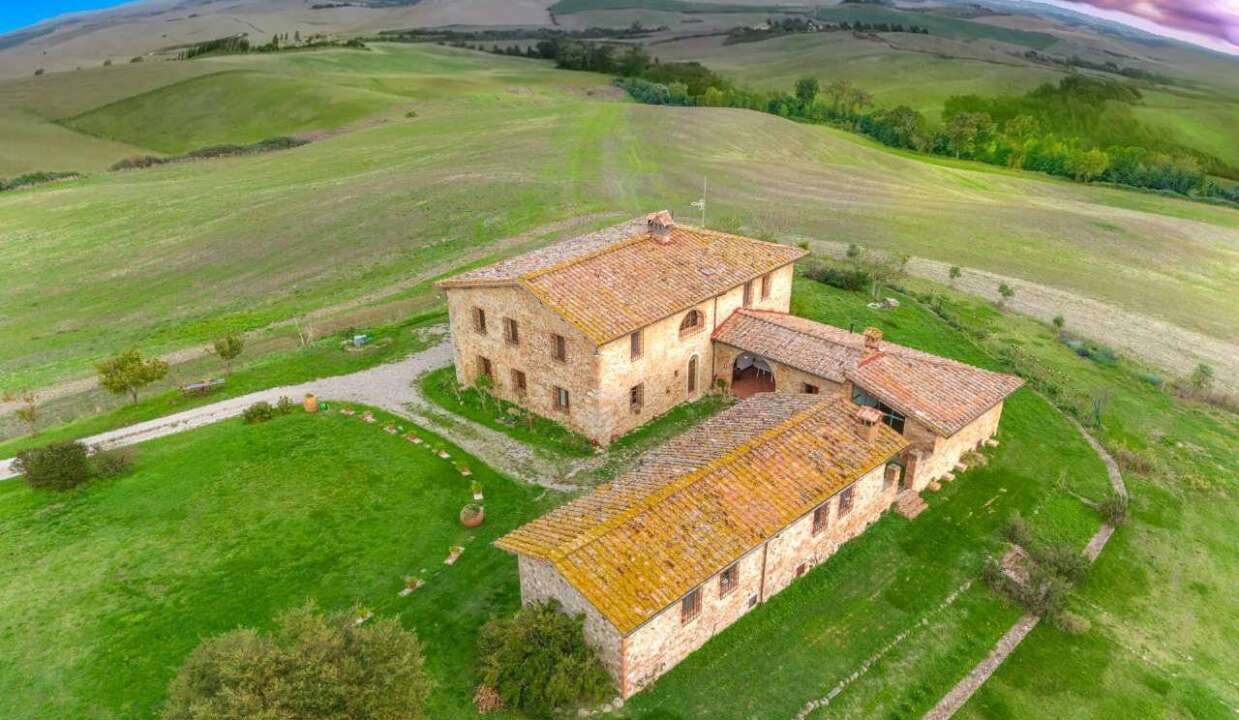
1006	292
1087	165
633	61
1059	322
313	667
538	661
806	91
965	130
883	268
955	273
129	372
228	348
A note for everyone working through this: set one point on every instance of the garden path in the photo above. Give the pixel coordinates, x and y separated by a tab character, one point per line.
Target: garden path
391	387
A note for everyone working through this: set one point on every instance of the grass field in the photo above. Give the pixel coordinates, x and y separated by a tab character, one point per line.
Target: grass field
107	588
171	256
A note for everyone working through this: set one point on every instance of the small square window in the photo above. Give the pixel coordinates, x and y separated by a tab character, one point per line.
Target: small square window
519	383
479	320
485	369
560	399
845	500
511	332
728	580
559	348
636	397
810	389
690	606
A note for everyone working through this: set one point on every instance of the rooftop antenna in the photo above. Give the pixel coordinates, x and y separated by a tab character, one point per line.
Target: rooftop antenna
701	204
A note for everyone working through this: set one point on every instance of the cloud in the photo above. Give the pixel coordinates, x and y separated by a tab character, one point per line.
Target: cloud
1214	23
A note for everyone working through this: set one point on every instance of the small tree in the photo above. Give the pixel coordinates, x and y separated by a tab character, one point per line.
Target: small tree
883	268
28	411
1005	292
538	661
1201	378
129	372
229	348
1059	322
312	666
59	466
955	273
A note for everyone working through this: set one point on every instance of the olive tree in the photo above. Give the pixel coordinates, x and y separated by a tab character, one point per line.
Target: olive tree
129	372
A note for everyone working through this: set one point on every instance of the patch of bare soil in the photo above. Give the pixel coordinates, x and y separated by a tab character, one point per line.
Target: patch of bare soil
1156	342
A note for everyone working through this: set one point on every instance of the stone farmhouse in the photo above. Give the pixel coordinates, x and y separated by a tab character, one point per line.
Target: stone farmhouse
607	331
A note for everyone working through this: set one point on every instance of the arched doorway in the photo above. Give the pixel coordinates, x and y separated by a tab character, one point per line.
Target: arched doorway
750	374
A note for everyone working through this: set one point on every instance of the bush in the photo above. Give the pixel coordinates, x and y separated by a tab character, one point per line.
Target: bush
1114	509
285	405
844	279
1018	532
60	466
137	162
1063	561
311	667
538	661
259	412
111	463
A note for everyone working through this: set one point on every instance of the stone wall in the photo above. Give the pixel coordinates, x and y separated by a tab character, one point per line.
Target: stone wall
948	451
540	581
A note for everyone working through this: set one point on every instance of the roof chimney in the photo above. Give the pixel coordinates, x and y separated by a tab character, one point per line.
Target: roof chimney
660	226
868	419
873	340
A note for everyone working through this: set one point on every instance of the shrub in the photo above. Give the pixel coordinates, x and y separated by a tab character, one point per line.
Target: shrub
311	667
1063	561
1132	461
849	279
59	466
1113	509
285	405
136	162
1071	623
538	661
111	463
259	412
1018	532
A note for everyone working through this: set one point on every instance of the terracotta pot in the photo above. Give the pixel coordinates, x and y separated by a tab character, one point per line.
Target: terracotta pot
310	403
471	520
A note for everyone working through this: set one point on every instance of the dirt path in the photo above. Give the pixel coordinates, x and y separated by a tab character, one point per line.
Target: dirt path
955	699
392	387
1158	343
184	355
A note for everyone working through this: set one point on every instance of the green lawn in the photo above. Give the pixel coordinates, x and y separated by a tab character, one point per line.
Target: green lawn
105	589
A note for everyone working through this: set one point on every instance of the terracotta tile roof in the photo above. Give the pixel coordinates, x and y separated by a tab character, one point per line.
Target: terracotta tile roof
613	282
700	502
943	394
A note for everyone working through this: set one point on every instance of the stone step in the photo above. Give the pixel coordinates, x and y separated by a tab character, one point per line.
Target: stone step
910	504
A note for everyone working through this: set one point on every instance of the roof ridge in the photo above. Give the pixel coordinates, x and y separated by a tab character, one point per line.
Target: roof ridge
686	480
597	252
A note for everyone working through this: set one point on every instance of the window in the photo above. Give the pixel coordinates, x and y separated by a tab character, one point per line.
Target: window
692	375
845	500
821	517
893	474
511	332
894	419
479	320
800	569
808	389
634	345
748	293
765	286
690	606
636	397
484	367
559	348
728	580
692	322
519	383
559	397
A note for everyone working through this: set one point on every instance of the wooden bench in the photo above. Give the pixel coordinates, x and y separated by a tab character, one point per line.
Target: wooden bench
202	388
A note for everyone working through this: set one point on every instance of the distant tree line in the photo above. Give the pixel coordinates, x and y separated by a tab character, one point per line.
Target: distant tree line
775	27
34	178
240	44
634	31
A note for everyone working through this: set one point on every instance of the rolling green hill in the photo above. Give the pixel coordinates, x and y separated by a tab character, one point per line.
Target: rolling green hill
500	146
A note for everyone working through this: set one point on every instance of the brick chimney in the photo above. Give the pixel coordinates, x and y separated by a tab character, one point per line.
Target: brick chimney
660	226
868	419
873	347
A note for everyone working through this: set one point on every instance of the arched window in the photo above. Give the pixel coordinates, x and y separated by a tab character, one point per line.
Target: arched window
692	375
693	321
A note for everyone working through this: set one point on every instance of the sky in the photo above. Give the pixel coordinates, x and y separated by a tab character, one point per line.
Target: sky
1211	23
15	14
